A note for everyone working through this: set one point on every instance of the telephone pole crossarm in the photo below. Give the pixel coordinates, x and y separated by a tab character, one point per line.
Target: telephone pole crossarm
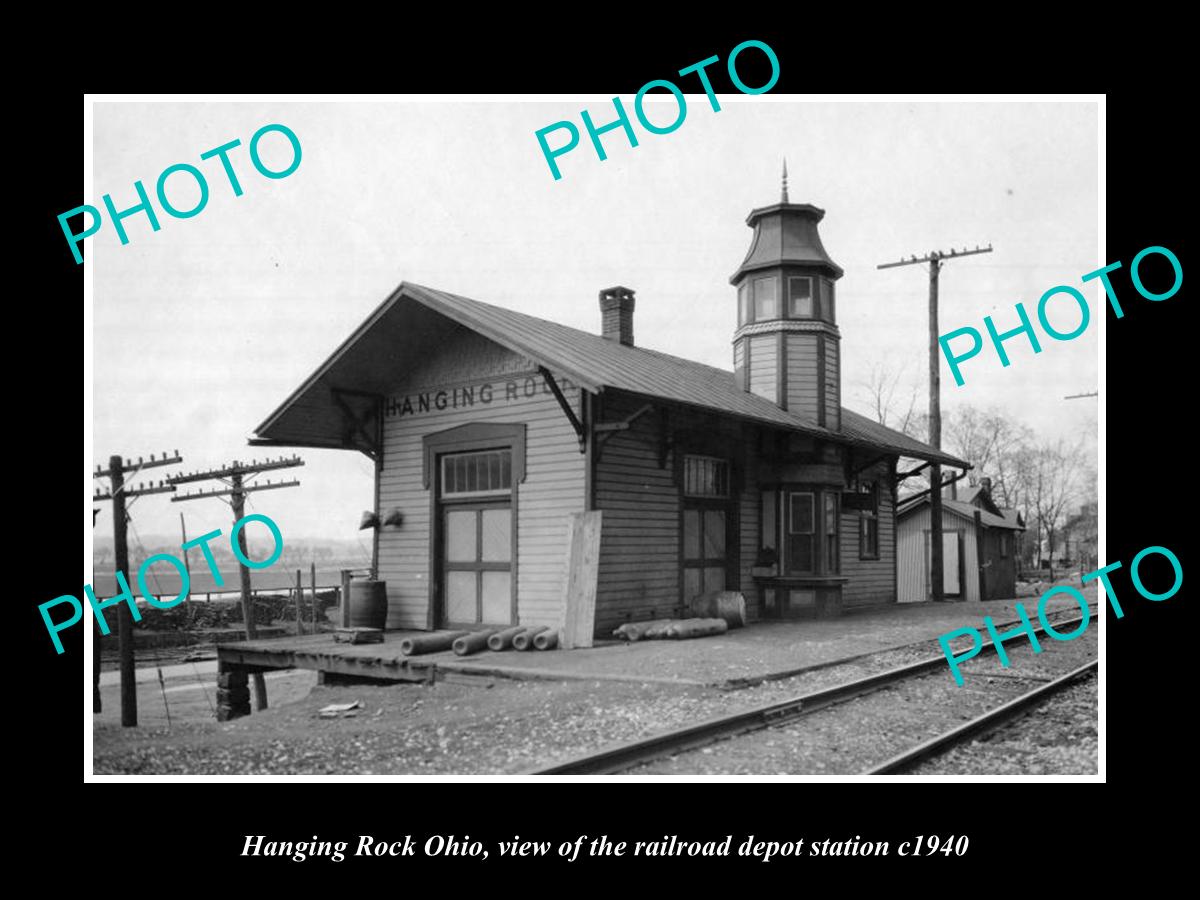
199	495
238	468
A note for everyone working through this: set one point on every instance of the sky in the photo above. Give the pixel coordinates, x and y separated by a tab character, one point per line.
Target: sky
203	328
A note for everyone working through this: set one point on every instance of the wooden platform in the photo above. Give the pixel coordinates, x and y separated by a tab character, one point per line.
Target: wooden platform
322	653
383	661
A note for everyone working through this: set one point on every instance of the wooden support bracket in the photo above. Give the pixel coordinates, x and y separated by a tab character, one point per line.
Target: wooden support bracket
356	425
604	430
580	432
917	471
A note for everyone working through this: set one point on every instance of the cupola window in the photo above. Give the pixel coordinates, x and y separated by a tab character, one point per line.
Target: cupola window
800	297
766	302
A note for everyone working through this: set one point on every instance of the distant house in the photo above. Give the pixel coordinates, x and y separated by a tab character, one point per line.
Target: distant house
980	541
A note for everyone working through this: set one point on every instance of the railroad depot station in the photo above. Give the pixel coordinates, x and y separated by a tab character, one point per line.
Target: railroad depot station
491	429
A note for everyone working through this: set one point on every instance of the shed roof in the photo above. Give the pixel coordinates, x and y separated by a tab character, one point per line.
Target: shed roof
1010	519
398	328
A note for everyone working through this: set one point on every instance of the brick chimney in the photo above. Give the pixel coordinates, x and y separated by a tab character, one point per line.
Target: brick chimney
616	314
985	485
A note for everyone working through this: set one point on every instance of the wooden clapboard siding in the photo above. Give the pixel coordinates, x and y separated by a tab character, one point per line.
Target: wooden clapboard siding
553	487
639	570
639	540
802	378
871	581
764	359
913	573
833	386
750	511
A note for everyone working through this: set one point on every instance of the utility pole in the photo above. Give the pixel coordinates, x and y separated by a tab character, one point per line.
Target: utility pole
118	493
233	475
935	258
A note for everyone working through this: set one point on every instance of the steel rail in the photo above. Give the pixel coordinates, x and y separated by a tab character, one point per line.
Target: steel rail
989	721
631	753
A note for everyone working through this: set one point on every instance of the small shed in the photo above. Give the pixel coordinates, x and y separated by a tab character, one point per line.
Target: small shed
979	541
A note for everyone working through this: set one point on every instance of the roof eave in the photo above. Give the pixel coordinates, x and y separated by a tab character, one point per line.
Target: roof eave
418	294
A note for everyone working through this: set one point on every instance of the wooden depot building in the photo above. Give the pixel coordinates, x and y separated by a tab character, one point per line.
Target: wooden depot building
488	428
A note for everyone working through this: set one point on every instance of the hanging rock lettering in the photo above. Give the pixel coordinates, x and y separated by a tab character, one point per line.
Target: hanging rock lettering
486	394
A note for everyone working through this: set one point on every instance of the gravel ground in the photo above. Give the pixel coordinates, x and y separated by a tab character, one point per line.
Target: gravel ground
1057	738
854	736
474	725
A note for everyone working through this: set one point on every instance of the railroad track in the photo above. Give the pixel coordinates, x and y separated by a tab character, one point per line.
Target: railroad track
989	721
621	757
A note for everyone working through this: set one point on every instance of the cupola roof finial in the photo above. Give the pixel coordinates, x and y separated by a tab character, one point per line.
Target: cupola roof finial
784	197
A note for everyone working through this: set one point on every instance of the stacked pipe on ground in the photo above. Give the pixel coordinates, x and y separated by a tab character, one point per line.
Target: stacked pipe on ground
546	640
502	640
524	640
430	643
473	642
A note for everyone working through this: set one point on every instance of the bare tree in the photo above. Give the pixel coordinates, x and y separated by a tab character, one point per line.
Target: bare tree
881	387
994	444
1056	474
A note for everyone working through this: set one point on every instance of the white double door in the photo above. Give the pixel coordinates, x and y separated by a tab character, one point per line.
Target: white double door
476	562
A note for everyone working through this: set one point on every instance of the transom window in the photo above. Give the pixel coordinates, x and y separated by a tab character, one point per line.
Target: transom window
705	476
483	473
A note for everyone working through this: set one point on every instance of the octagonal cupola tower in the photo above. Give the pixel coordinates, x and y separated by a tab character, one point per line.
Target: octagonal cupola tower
787	346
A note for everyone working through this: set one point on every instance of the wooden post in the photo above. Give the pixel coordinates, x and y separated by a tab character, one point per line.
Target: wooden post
124	616
980	551
238	502
233	694
299	596
96	704
345	598
187	566
314	596
936	560
935	258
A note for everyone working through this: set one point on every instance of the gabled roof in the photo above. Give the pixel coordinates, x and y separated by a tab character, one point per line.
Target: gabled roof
969	493
1010	518
977	496
396	327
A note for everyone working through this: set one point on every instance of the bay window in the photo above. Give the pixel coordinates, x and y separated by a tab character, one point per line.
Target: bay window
800	523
